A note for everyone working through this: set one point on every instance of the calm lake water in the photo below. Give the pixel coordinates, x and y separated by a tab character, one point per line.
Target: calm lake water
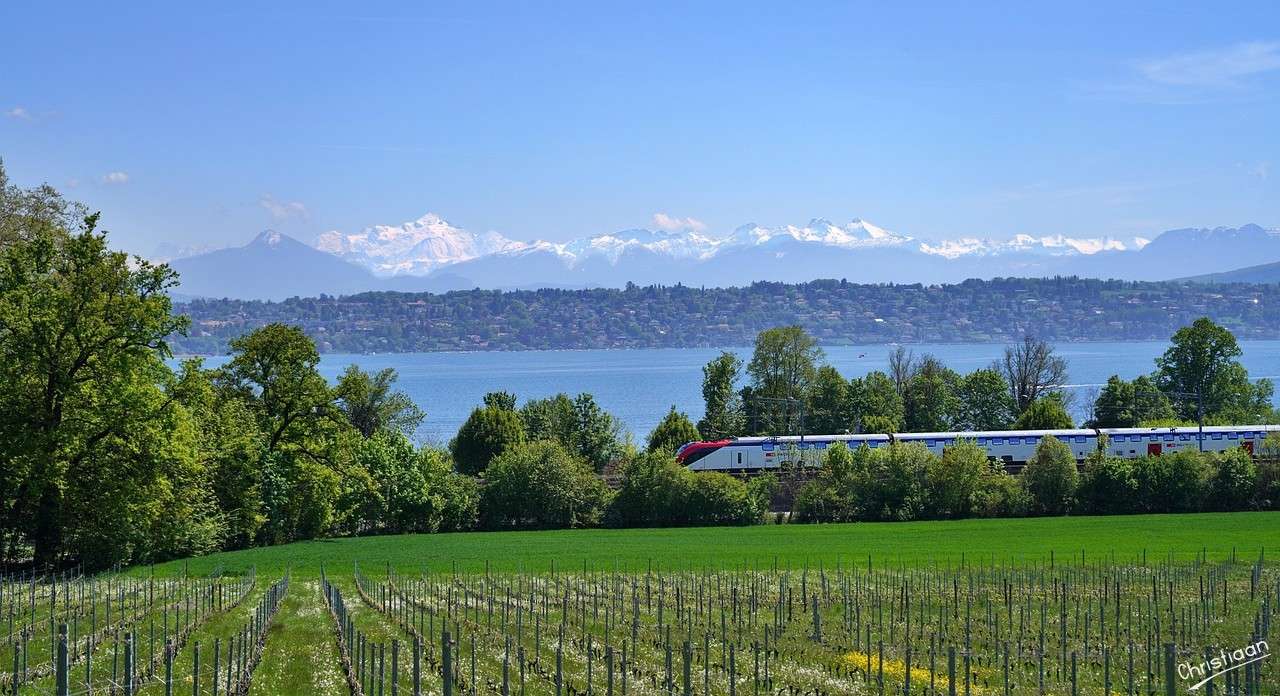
638	386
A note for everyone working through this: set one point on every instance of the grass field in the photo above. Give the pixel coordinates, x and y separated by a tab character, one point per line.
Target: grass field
910	543
1034	606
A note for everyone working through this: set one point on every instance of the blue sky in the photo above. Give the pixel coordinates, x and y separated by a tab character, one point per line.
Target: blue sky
205	123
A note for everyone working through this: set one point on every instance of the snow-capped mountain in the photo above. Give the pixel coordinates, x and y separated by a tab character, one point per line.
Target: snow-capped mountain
414	248
430	254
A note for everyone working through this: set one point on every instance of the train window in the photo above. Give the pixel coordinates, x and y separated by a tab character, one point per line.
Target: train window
1233	436
739	457
1080	438
997	441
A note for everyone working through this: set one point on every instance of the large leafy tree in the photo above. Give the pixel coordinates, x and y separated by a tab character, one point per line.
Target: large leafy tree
829	407
1201	367
877	407
371	404
931	398
307	443
540	485
783	366
82	344
723	414
985	402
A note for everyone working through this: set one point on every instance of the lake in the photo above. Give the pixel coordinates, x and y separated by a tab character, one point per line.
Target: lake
638	386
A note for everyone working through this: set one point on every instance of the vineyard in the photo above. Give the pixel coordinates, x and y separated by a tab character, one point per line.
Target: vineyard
1121	621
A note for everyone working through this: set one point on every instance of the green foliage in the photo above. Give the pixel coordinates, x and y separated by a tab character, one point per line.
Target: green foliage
579	424
487	433
1051	478
955	478
540	485
931	398
84	335
783	367
723	408
1175	482
674	430
1123	404
877	406
985	403
1201	368
371	406
1109	486
1235	481
657	492
829	406
504	400
410	490
1047	413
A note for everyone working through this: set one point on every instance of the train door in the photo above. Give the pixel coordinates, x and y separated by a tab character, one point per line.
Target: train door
1248	446
1153	449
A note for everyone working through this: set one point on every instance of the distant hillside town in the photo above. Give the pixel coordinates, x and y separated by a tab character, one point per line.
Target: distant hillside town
677	316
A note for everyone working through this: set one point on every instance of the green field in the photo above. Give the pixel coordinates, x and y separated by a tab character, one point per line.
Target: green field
911	543
1031	606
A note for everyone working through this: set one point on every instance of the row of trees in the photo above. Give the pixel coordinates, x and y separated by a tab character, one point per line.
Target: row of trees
786	389
907	482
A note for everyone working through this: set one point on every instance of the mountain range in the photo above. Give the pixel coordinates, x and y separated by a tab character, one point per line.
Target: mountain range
430	254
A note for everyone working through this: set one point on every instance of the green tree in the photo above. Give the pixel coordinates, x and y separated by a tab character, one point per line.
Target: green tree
371	406
273	371
1123	404
829	406
876	404
580	424
1047	413
540	485
1051	478
231	448
930	400
985	403
1201	366
81	364
674	430
504	400
486	434
722	406
783	366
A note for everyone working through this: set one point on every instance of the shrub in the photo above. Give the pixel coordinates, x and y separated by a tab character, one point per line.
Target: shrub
1046	413
954	479
1235	481
1175	482
1051	477
1109	486
539	485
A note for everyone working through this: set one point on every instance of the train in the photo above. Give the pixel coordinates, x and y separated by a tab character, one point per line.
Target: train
749	455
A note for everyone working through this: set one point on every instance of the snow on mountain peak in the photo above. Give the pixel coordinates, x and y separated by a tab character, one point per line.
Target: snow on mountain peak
1052	245
416	247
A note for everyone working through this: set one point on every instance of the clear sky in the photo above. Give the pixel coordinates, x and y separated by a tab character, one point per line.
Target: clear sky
208	122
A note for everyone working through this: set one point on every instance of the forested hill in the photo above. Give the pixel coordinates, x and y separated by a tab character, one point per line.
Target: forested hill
836	312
